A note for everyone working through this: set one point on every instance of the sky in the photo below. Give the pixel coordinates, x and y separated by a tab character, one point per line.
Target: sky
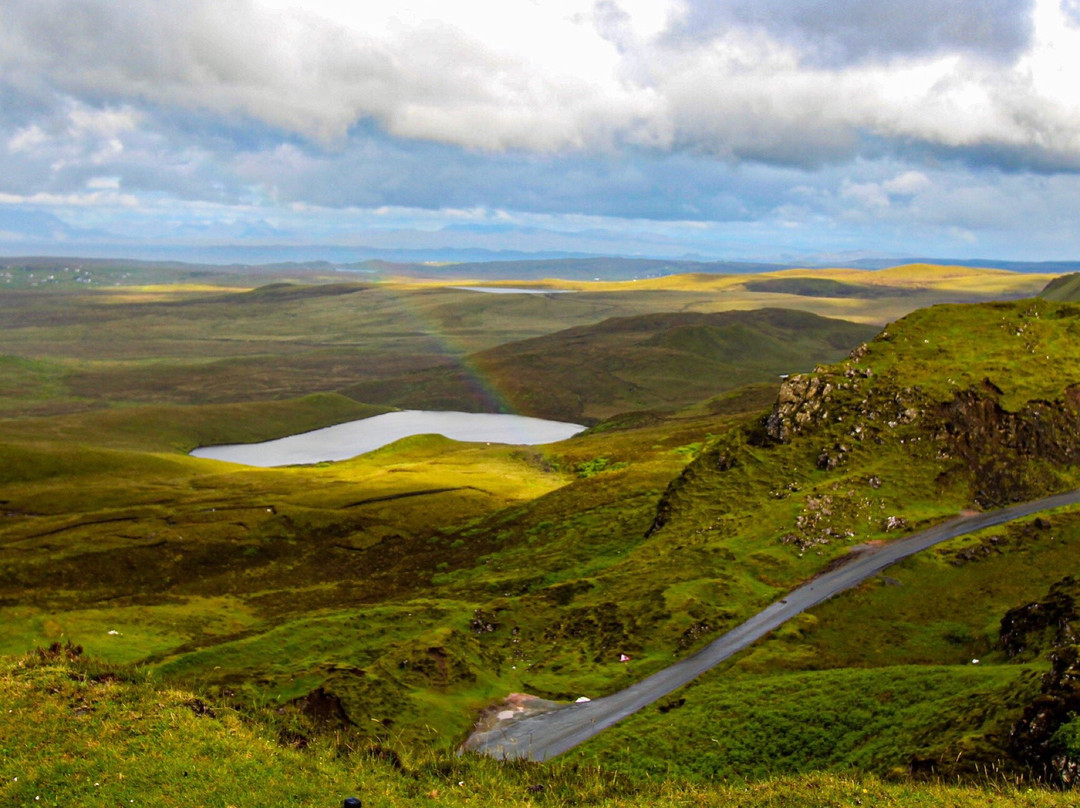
723	129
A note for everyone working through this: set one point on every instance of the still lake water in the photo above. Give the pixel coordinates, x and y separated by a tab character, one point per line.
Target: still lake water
514	290
356	437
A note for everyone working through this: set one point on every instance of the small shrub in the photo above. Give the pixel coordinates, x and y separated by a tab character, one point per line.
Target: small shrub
590	468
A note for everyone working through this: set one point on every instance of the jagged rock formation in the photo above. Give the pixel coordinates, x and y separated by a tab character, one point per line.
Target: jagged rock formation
802	401
999	449
1045	736
1033	628
998	446
993	444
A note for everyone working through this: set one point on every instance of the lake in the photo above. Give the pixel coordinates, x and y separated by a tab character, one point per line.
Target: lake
513	290
347	440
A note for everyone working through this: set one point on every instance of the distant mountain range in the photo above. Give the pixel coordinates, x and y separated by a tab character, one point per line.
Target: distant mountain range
463	264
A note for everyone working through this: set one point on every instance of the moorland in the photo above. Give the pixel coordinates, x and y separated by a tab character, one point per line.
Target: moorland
216	634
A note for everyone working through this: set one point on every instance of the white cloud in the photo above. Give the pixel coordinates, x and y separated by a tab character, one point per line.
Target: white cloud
619	108
907	184
552	76
103	183
27	139
85	199
106	123
869	194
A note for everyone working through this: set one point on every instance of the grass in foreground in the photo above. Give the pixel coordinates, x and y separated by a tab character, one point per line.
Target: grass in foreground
76	733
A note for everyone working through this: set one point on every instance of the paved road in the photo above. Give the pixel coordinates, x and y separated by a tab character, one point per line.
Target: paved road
541	737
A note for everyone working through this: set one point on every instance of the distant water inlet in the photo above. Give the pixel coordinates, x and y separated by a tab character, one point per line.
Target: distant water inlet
514	290
347	440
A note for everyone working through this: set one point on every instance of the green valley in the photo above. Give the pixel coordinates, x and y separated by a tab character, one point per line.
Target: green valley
347	623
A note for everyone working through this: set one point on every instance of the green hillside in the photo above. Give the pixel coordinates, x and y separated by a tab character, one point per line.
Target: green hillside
950	408
75	732
823	287
1065	288
379	604
624	364
545	565
199	336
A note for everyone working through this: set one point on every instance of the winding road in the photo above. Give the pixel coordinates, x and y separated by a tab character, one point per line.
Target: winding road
543	736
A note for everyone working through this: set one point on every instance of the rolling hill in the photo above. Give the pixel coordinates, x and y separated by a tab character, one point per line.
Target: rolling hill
656	361
1067	287
374	608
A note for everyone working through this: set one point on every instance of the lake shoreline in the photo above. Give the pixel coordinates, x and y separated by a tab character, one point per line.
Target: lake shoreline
353	438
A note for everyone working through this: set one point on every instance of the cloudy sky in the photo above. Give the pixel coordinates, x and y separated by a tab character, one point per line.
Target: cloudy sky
719	128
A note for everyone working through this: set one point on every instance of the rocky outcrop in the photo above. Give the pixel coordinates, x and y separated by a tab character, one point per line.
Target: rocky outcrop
1032	628
802	401
1003	450
1043	737
1005	454
1038	738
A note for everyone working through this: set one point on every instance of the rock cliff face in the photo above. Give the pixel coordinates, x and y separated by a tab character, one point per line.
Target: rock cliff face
1033	628
1001	451
1045	735
839	394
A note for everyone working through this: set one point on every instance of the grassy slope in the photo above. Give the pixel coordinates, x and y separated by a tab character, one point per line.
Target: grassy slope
206	567
634	363
568	576
571	580
196	563
936	609
127	741
1065	288
73	347
880	679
